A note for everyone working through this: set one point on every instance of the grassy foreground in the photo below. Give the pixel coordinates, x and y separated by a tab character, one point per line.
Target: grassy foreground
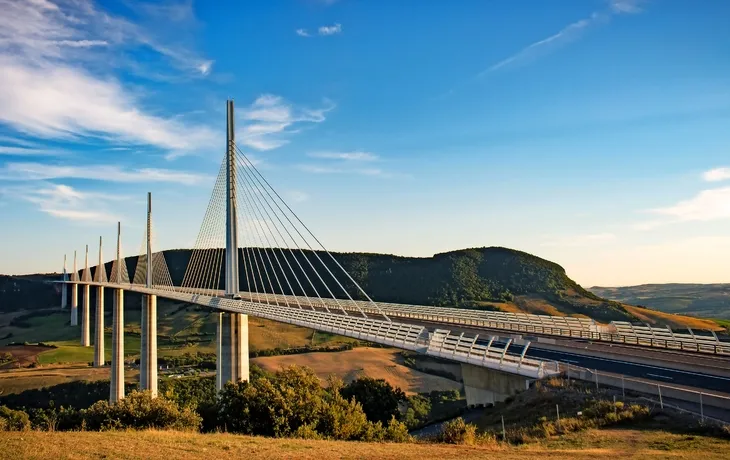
615	444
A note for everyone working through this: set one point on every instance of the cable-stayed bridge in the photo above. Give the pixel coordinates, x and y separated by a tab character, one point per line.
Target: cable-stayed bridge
254	256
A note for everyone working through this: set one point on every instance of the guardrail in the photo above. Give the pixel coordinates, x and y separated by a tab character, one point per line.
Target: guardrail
443	344
561	326
699	403
401	335
558	326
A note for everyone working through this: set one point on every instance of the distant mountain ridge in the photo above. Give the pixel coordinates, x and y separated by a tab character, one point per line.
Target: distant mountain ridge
703	300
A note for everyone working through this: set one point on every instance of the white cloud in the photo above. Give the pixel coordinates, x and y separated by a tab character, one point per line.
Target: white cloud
707	205
297	196
272	119
330	30
567	34
46	89
24	151
302	33
65	202
325	169
43	29
716	175
581	240
349	156
58	101
111	173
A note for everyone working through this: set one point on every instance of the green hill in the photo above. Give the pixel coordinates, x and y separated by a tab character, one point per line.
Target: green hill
487	278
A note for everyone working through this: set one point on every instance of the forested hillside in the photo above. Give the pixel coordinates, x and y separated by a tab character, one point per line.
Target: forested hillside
488	278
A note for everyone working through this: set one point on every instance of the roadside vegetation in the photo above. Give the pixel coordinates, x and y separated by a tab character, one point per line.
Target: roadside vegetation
294	403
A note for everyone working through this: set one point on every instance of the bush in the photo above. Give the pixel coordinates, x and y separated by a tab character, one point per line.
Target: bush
379	399
14	420
417	411
140	410
457	431
292	402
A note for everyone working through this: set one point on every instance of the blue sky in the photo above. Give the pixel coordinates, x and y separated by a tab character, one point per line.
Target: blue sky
593	133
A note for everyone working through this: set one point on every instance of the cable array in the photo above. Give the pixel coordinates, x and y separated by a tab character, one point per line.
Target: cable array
205	267
121	262
280	259
160	273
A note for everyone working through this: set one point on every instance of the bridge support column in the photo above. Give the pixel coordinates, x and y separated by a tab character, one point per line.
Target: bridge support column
488	386
117	377
85	319
74	305
99	329
232	349
148	357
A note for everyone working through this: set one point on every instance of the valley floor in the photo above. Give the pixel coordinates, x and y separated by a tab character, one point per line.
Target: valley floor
615	444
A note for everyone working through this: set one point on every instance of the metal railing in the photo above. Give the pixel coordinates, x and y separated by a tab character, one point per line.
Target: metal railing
400	335
562	326
705	404
557	326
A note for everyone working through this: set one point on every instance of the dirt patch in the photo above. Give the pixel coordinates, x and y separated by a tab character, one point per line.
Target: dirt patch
378	363
23	355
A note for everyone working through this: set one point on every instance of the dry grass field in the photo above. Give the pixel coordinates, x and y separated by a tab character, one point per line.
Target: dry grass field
378	363
676	321
163	445
17	380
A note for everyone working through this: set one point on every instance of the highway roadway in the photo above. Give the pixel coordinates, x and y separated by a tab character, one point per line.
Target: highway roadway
657	373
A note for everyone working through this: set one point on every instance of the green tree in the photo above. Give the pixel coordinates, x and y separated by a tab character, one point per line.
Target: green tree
379	399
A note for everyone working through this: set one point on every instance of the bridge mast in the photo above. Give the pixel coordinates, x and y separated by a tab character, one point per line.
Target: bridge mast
75	295
232	332
148	353
231	221
85	315
99	317
117	375
64	286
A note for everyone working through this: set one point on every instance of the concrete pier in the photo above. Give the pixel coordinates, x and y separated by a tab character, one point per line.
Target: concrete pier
99	328
487	386
85	319
74	305
232	349
148	357
117	374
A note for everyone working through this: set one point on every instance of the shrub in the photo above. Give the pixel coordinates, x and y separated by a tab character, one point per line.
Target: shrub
379	399
140	410
14	420
307	432
397	431
457	431
417	411
292	402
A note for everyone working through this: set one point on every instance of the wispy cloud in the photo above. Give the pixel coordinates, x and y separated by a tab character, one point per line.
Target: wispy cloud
47	87
716	174
66	202
347	156
328	169
707	205
25	151
581	240
330	30
272	121
110	173
567	34
322	31
296	196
